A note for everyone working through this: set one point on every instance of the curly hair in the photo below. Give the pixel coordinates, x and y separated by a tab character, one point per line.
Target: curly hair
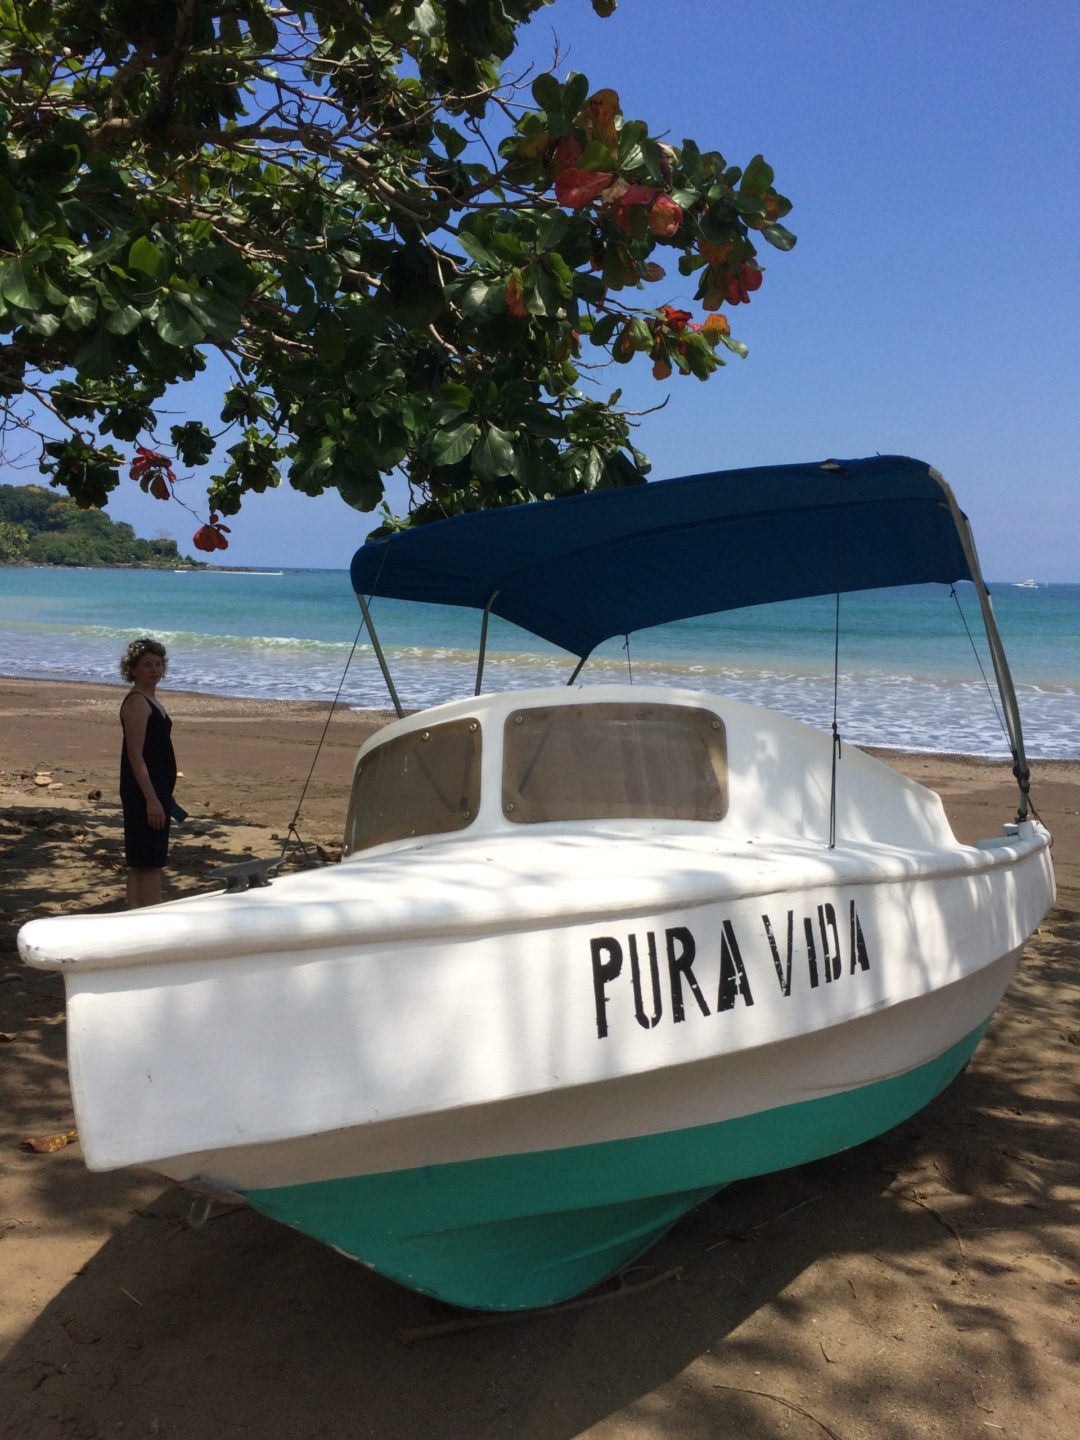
134	653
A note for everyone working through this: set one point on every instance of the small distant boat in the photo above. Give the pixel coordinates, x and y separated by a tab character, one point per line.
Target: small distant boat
1026	585
593	953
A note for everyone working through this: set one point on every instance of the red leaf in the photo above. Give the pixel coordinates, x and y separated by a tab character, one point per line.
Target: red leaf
677	319
567	153
209	537
515	298
597	118
665	217
575	188
633	195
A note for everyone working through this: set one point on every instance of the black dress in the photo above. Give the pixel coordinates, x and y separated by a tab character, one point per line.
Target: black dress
145	848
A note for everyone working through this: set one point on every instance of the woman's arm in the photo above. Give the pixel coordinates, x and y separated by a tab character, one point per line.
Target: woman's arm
135	716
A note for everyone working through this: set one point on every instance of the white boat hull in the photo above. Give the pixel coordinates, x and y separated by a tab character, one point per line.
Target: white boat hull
437	1053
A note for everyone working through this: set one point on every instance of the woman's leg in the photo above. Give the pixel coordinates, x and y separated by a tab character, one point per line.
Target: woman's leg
143	888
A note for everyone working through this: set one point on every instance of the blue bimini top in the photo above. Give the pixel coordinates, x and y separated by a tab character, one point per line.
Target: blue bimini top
578	570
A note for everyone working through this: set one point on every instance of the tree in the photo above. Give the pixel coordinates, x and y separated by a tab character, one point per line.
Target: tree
42	528
13	542
405	260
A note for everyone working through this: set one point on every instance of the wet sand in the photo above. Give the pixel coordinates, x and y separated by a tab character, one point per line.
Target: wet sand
925	1284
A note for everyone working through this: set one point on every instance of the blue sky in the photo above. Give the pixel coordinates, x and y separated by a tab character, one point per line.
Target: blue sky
930	307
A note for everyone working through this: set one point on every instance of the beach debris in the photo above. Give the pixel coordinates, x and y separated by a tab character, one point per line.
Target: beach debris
81	1334
914	1199
49	1144
780	1400
43	778
6	1036
94	795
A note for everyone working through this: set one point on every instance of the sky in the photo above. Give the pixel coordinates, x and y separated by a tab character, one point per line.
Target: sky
930	307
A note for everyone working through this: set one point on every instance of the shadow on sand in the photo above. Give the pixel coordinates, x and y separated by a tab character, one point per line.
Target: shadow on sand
865	1294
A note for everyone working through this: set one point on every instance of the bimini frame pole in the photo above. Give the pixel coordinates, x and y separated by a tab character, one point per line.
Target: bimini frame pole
483	641
997	651
379	655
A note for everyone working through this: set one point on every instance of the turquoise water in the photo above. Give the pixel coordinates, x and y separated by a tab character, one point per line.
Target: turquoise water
908	675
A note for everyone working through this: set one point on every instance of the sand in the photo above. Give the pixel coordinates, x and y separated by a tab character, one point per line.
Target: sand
925	1284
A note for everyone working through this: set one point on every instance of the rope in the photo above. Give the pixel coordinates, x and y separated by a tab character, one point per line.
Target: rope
982	672
292	830
629	667
836	748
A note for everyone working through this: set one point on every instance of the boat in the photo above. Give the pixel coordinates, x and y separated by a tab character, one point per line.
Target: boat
1025	585
594	951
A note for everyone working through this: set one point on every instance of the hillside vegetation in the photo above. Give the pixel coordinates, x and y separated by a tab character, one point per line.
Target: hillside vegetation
40	527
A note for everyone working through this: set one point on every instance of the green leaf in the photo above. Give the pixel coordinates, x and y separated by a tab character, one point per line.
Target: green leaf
261	26
547	92
552	229
122	320
20	285
476	250
453	141
494	456
310	471
13	232
192	442
426	20
758	176
42	322
779	236
97	358
450	446
475	299
459	396
604	329
748	204
177	325
145	256
575	93
79	312
362	492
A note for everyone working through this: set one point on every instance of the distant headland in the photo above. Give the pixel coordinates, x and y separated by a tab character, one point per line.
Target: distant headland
38	526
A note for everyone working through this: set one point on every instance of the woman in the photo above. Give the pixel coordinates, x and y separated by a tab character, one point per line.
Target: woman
147	771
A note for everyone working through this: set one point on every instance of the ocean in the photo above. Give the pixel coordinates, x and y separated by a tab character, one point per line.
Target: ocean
909	676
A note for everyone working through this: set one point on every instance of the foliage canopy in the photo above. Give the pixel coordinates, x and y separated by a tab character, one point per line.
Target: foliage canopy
404	259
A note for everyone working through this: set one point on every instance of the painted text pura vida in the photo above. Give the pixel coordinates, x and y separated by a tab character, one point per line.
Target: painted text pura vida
661	968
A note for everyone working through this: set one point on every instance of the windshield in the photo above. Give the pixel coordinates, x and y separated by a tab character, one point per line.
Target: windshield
614	761
425	782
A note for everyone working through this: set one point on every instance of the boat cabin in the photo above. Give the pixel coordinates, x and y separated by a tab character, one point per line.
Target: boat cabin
548	759
642	758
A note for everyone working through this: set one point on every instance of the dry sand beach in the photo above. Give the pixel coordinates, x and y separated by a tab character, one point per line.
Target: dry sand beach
925	1284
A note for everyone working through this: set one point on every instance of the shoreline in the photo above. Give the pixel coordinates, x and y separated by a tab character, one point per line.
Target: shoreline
193	701
925	1283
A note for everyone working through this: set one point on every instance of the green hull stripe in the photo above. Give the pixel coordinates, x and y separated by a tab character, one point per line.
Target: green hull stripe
519	1231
